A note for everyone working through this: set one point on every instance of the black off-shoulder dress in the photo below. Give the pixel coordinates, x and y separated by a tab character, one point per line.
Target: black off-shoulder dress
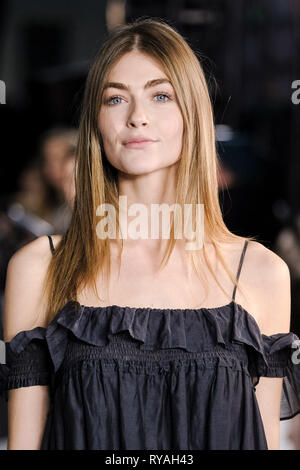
158	379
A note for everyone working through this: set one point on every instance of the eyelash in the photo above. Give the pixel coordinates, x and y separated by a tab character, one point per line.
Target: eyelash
156	94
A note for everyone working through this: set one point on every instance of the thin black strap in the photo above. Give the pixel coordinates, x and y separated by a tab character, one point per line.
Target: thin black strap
240	267
51	243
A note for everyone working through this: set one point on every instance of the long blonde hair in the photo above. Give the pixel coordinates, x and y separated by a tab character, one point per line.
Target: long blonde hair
81	255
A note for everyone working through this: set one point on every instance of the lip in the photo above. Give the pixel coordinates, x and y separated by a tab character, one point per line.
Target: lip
138	142
137	138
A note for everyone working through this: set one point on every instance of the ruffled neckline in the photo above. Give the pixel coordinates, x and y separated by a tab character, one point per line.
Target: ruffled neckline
227	327
153	310
193	330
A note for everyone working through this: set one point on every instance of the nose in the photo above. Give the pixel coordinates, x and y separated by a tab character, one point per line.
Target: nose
137	116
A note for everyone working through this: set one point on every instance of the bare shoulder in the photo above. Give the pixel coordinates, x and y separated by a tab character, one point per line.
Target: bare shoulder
269	267
266	277
33	254
23	302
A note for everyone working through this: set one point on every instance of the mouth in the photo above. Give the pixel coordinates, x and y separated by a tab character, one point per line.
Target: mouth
138	144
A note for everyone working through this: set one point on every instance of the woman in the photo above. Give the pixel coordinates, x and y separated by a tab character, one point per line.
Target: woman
152	363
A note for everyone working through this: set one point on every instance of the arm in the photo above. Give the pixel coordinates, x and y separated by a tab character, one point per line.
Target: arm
275	303
27	414
23	310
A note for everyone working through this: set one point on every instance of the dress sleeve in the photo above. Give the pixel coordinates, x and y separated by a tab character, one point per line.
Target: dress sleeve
27	362
281	358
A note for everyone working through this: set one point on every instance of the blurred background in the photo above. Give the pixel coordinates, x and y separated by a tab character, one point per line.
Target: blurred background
250	53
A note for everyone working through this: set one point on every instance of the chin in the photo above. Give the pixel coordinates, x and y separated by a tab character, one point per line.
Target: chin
144	168
140	167
139	171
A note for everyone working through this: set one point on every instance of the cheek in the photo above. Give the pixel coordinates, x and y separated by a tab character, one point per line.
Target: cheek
172	126
107	128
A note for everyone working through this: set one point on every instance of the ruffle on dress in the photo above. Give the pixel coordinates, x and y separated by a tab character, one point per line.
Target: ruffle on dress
34	356
27	361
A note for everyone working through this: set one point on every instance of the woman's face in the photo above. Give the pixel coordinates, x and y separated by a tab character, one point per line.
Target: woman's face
134	108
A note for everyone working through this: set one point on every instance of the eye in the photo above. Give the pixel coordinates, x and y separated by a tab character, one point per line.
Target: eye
110	100
162	95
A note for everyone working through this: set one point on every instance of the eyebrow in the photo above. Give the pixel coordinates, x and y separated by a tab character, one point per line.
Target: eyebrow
149	84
